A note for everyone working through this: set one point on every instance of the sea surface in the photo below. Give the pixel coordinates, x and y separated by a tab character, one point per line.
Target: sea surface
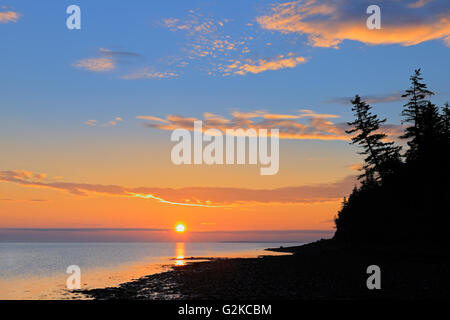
38	270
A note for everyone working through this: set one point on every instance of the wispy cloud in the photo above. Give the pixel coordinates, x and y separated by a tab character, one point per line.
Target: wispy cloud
96	64
419	3
261	65
152	118
205	35
328	23
91	123
303	125
378	98
108	60
9	16
193	196
356	167
94	123
23	200
220	50
123	58
113	53
148	73
315	125
24	174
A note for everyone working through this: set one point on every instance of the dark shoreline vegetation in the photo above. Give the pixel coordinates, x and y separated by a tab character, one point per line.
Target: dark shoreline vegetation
397	218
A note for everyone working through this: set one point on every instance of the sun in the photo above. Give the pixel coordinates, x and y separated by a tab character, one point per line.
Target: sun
180	228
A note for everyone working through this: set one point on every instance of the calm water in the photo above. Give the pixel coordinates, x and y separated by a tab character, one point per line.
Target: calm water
38	270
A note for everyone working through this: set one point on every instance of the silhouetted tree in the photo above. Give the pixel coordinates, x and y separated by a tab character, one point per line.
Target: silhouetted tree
413	112
381	156
431	136
446	120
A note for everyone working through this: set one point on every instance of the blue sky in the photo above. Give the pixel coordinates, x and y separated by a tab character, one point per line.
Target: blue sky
38	54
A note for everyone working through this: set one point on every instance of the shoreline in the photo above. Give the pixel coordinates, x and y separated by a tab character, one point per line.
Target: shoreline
318	270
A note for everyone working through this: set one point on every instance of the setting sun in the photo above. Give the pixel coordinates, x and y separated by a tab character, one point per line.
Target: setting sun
180	228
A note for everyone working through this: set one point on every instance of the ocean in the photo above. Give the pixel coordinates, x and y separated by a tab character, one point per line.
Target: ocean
38	270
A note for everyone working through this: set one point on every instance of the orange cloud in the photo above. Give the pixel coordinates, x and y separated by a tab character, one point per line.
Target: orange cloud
355	167
281	116
261	65
108	60
226	53
151	118
96	64
94	123
419	3
193	196
91	123
9	16
24	174
327	24
205	35
316	126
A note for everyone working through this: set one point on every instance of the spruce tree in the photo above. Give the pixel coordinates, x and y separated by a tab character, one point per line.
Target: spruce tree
446	120
381	157
413	113
432	125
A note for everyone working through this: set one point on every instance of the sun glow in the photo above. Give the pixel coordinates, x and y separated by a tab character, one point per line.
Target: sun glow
180	228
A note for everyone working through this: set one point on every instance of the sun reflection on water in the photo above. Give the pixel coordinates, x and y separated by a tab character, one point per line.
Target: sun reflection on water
179	254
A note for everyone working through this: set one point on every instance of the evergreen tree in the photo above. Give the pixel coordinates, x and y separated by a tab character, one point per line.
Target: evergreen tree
446	120
431	135
413	111
381	157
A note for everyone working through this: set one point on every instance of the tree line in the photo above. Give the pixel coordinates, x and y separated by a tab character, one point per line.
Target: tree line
403	191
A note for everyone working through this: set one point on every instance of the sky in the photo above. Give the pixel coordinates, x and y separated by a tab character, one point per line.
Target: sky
86	115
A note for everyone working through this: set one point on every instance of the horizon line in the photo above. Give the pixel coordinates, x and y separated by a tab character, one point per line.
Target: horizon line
311	231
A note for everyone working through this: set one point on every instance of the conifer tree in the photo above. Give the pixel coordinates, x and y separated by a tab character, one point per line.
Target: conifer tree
446	120
432	123
413	113
380	156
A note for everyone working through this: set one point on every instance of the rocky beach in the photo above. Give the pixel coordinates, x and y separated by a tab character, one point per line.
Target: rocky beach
320	270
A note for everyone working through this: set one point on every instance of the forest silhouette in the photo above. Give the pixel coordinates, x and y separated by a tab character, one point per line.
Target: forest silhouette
403	195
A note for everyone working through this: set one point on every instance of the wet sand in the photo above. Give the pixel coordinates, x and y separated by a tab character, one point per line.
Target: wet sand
320	270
